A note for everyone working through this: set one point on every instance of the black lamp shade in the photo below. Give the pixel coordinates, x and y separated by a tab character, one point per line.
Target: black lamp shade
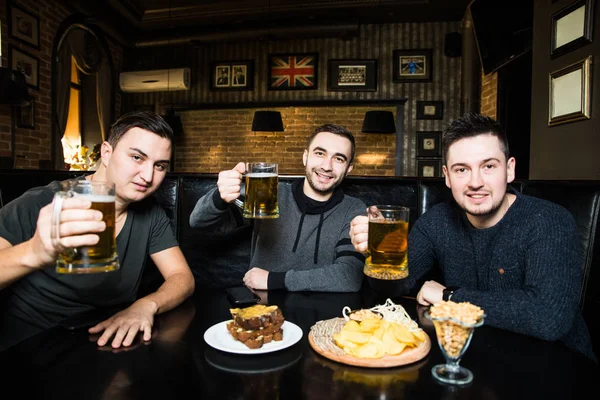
379	122
267	121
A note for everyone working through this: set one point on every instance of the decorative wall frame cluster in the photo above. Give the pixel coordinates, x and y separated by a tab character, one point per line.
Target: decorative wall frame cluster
24	26
413	65
232	75
570	89
352	75
572	27
429	153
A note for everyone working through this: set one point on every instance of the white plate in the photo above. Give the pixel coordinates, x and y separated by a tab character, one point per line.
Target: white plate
218	336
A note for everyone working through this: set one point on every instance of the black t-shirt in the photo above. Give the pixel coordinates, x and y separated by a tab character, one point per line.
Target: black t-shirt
44	297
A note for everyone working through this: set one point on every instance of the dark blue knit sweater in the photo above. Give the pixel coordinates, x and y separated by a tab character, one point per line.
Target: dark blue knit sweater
525	272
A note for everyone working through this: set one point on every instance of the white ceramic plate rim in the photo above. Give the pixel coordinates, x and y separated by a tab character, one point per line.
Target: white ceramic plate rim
218	337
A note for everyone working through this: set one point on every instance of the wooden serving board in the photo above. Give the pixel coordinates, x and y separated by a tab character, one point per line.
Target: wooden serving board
320	338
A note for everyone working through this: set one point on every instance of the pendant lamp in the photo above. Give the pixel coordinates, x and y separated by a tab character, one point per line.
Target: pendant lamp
379	122
267	121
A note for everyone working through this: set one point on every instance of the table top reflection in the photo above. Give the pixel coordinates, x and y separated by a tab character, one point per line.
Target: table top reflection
177	362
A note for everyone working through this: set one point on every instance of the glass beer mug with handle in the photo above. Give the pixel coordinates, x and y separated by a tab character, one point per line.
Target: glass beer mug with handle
102	257
387	257
261	191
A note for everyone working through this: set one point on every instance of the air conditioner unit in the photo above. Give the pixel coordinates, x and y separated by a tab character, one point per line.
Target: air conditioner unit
155	80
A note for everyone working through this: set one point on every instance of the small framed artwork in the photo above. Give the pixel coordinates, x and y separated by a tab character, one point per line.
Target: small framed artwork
572	27
430	110
352	75
429	144
293	71
27	64
26	115
232	75
569	99
429	168
413	65
24	26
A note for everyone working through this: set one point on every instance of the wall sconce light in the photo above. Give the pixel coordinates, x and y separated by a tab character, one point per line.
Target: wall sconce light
379	122
267	121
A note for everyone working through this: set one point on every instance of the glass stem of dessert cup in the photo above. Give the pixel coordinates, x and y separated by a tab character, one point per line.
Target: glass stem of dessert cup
456	336
452	372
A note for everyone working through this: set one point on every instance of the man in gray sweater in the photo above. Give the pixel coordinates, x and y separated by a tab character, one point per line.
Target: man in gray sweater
517	257
308	247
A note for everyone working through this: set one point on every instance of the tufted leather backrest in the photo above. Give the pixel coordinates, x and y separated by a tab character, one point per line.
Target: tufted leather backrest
582	199
221	261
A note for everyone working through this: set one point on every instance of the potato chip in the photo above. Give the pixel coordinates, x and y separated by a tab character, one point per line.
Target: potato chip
369	325
403	335
374	338
390	344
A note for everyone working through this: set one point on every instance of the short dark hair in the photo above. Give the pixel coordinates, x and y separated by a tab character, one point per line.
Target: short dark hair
147	120
471	125
336	130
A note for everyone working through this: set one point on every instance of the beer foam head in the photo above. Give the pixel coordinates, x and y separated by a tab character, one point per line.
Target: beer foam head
96	198
261	174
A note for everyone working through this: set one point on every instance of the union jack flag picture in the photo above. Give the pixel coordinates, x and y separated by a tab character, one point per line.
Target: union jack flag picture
293	71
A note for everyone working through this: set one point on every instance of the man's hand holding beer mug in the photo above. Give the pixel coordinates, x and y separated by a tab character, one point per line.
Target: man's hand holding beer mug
261	188
383	236
260	201
79	226
100	253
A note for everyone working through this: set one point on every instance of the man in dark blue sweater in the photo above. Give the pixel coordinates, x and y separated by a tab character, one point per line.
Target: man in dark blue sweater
517	257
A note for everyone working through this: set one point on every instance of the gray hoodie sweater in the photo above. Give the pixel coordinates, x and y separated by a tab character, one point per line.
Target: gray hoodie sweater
307	248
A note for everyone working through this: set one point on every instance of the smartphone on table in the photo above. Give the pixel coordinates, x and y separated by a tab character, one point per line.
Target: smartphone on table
242	296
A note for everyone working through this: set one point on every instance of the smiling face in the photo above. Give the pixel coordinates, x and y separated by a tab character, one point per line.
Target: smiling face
477	172
137	164
327	162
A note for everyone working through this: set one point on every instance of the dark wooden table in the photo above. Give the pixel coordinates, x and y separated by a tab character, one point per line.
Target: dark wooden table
177	363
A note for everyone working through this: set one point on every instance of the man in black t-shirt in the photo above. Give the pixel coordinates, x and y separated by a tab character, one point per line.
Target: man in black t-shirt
135	158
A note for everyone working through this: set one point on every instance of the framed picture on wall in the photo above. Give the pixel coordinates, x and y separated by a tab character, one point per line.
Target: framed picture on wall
429	167
429	144
26	115
413	65
430	110
232	75
570	93
572	27
24	26
25	63
352	75
293	71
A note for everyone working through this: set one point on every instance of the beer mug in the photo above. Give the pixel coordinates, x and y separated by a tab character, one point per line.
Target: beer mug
102	257
261	191
387	257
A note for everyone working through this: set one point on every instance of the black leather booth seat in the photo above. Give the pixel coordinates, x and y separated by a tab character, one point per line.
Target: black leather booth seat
222	261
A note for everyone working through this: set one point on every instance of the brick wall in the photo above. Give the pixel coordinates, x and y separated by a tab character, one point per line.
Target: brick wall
33	145
216	140
489	94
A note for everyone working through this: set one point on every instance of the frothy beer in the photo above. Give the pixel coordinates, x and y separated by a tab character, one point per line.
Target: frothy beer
103	255
388	244
261	195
